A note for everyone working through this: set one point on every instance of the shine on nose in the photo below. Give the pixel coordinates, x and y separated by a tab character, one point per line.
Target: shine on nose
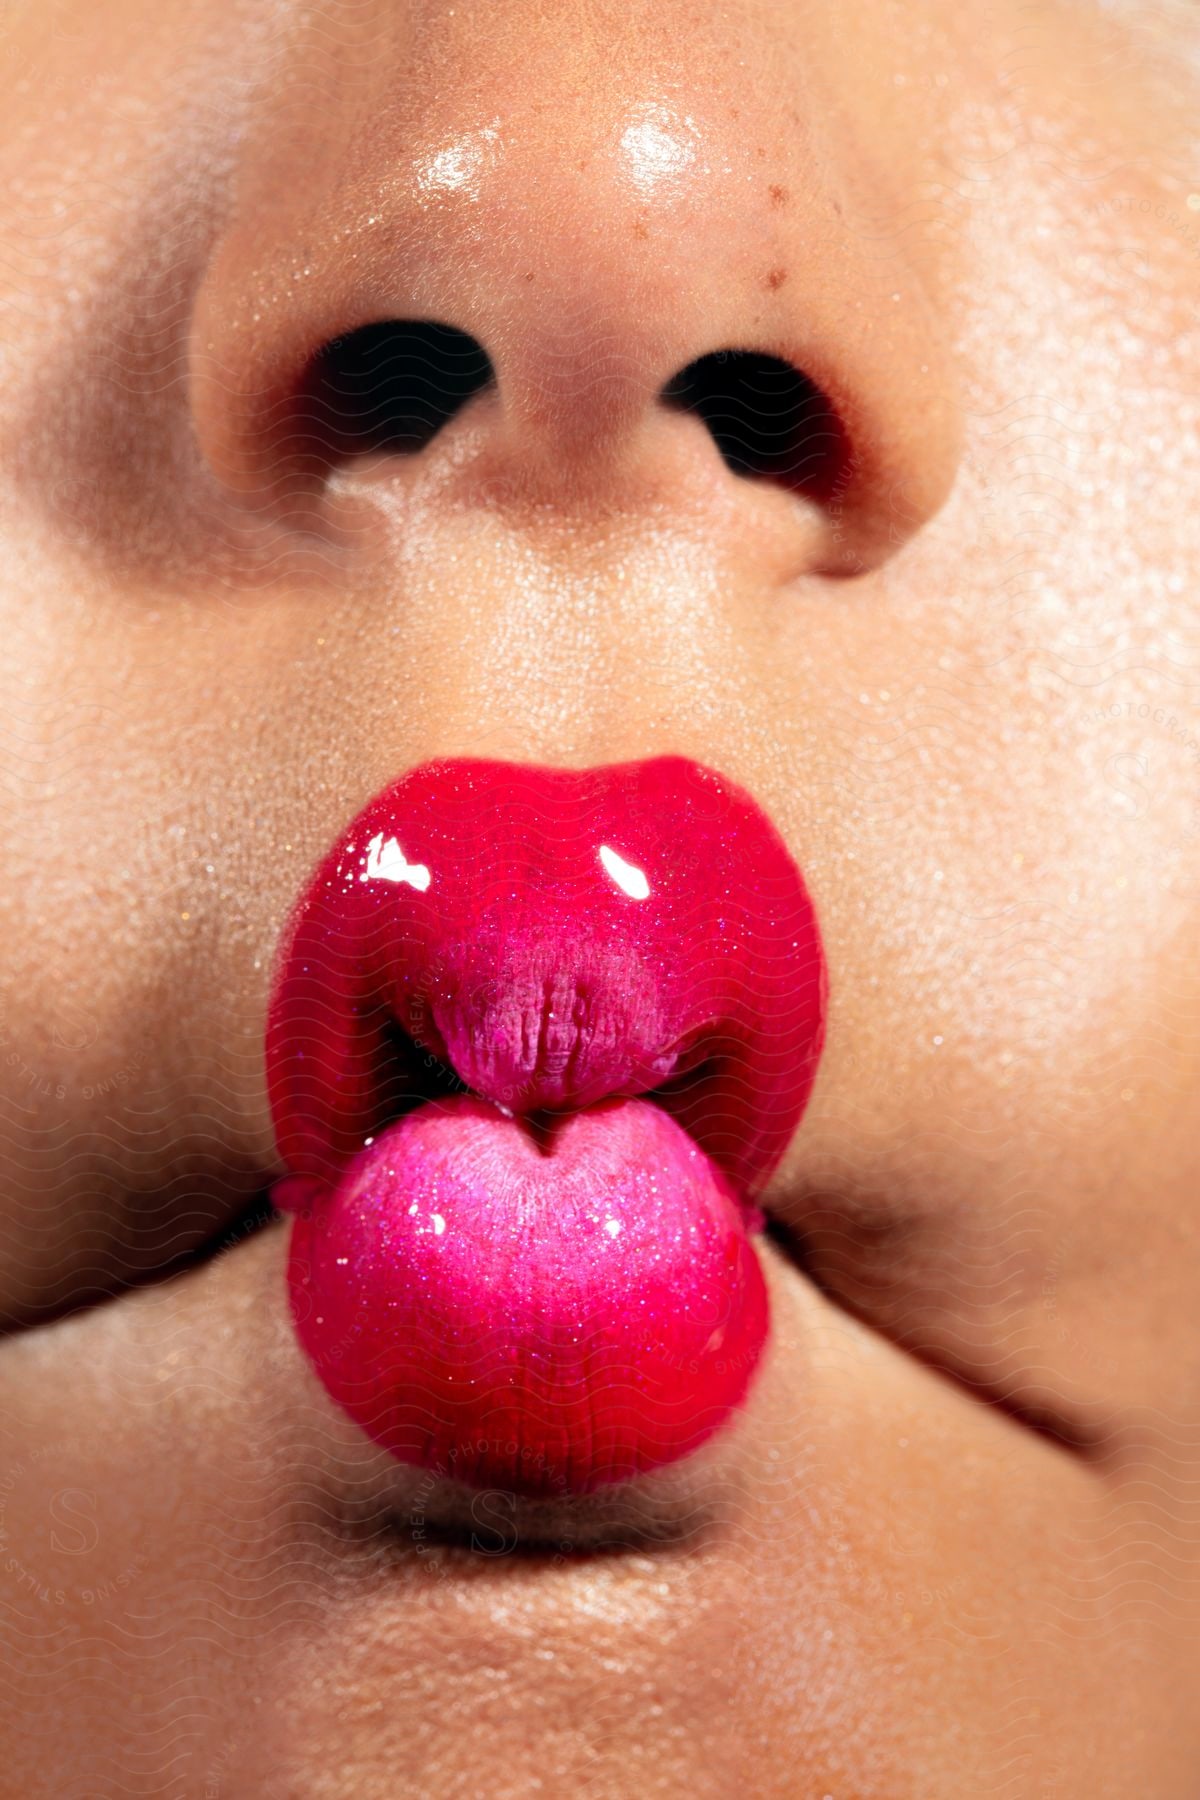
616	297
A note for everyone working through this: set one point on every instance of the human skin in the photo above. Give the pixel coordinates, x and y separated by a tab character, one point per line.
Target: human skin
950	1547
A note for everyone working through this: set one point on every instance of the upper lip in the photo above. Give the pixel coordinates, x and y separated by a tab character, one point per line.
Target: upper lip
485	926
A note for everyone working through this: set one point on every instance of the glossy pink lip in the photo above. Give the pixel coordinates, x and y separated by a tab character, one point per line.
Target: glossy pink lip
545	1283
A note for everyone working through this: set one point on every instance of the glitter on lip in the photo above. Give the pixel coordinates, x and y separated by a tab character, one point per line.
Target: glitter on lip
564	942
530	1321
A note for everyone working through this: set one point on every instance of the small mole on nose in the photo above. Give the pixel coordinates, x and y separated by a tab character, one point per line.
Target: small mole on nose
779	195
775	279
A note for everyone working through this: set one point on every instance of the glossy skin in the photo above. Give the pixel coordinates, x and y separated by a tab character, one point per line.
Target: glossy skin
961	685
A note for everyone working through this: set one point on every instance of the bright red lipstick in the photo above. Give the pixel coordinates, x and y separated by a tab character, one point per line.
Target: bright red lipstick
545	1284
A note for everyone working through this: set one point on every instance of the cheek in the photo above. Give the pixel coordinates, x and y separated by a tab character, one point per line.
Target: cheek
136	956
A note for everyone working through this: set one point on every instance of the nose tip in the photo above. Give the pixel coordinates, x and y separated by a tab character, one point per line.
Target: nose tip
626	302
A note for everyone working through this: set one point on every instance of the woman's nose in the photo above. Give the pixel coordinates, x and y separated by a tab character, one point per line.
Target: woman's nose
588	285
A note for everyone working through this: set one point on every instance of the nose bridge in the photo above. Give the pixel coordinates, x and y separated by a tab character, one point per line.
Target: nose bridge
599	214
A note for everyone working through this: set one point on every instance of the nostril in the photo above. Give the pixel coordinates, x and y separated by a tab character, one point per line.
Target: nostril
389	386
766	418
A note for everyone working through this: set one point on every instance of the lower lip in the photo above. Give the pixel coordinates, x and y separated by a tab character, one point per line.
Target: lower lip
547	1284
543	1317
